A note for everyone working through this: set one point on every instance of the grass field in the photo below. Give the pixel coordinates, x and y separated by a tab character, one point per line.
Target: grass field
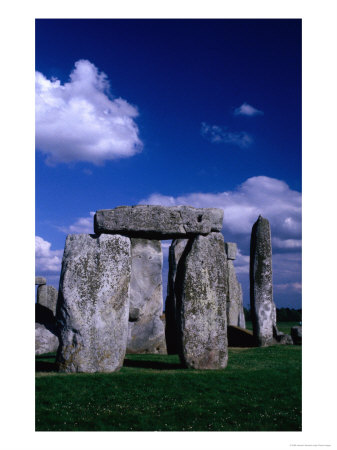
260	390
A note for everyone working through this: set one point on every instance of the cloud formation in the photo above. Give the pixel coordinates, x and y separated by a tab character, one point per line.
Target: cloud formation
46	259
81	225
271	198
247	110
80	121
220	135
267	196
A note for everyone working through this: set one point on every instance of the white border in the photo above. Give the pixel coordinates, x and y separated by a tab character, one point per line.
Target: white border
319	214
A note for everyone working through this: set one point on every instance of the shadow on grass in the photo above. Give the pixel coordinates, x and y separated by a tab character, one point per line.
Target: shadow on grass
155	365
45	366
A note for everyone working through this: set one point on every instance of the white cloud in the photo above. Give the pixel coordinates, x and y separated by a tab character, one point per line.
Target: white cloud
247	110
46	260
287	243
79	120
269	197
220	135
297	287
81	225
241	263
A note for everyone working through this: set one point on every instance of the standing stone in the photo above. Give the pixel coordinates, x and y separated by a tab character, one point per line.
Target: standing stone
40	280
158	222
93	305
242	319
47	296
296	334
201	287
235	314
146	329
177	248
46	341
261	283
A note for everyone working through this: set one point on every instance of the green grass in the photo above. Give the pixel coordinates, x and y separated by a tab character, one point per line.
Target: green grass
260	390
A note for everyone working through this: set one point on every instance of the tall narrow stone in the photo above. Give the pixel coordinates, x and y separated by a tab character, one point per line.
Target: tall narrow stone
201	287
235	314
146	329
93	305
242	319
47	296
261	283
177	248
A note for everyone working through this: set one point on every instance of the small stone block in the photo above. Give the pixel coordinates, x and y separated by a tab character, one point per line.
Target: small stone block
40	280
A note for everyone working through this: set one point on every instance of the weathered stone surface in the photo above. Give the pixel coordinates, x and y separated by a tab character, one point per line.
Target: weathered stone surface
47	296
93	306
40	280
45	340
296	334
231	250
146	329
234	296
201	287
235	314
177	248
158	222
239	337
261	283
242	319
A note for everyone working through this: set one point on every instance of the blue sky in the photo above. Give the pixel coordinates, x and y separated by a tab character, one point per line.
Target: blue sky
199	112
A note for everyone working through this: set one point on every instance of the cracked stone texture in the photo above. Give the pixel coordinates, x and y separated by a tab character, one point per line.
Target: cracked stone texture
45	340
176	250
47	296
201	287
158	222
261	283
93	307
146	332
40	280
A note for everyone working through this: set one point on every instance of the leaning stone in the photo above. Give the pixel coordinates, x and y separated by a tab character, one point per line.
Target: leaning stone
261	283
177	248
47	296
239	337
45	340
158	222
146	329
201	287
40	280
296	334
93	306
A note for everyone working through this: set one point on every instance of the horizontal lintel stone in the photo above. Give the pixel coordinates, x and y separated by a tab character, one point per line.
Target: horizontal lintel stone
158	222
40	281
